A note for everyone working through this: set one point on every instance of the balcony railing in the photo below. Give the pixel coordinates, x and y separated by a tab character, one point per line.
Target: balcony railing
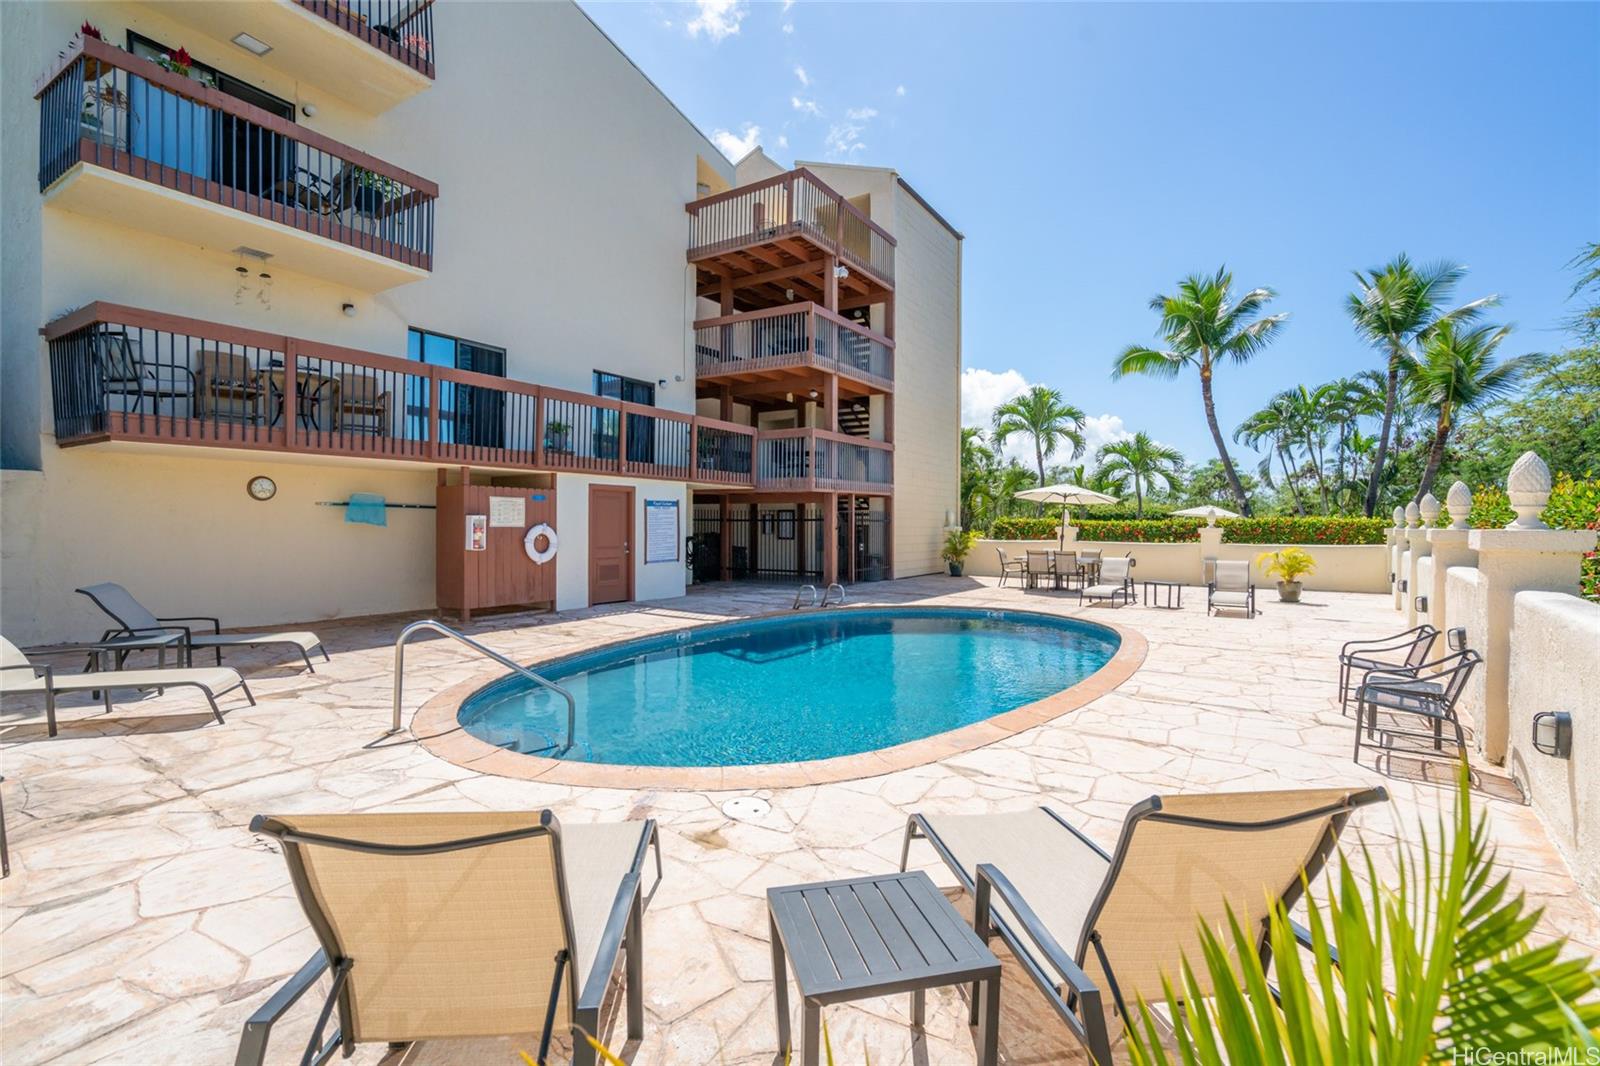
796	203
399	28
121	373
797	335
112	109
804	460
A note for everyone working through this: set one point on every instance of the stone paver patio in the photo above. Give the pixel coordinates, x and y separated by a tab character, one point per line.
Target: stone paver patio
142	922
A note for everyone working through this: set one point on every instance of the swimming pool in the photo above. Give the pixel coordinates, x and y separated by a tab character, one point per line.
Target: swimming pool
792	688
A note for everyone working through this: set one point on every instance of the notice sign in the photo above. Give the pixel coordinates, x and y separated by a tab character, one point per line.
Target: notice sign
508	511
660	531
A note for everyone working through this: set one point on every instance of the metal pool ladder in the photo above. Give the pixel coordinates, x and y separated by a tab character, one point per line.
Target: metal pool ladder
404	638
827	597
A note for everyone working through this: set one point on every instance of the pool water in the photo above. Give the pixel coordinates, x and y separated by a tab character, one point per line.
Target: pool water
791	689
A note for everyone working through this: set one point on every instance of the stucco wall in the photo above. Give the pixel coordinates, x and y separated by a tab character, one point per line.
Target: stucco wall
651	581
1466	606
1424	588
1555	666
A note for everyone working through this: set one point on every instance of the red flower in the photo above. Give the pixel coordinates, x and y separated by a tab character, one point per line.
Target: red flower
89	29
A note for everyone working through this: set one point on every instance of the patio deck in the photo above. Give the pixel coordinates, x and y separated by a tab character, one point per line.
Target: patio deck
143	922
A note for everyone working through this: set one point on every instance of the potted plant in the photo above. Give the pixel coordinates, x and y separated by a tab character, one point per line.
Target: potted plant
557	437
372	191
957	545
1287	565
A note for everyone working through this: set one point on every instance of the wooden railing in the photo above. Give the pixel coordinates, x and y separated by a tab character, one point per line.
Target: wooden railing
794	335
795	203
399	28
112	109
803	460
121	373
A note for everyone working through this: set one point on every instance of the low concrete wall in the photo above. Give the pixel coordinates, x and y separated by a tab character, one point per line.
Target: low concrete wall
1555	666
1466	606
1340	567
1424	588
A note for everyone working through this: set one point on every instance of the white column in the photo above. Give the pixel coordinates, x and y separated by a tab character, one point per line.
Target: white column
1426	513
1448	548
1402	601
1210	548
1397	545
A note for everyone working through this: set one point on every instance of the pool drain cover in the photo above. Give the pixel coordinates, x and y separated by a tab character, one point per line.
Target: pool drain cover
746	809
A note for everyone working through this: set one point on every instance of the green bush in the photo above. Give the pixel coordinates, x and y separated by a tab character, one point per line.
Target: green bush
1574	504
1024	528
1317	530
1148	531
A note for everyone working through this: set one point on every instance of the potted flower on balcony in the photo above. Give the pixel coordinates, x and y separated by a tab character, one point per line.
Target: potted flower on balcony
957	545
372	191
1288	565
558	438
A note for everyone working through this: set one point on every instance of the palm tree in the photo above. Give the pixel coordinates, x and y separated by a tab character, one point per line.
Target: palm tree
1456	373
1143	462
1203	326
1313	412
1274	424
1394	307
1042	414
1355	398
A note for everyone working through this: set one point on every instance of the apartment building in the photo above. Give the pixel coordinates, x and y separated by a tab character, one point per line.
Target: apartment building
461	272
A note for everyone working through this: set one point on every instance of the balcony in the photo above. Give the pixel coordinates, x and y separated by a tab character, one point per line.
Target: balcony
370	54
125	374
815	460
766	232
779	343
125	140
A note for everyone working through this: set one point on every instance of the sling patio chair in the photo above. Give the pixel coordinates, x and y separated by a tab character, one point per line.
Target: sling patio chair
18	674
1408	650
1016	568
1040	565
1428	691
134	620
1231	588
439	926
1097	931
1113	582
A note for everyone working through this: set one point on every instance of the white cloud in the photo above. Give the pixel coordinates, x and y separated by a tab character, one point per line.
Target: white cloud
717	19
737	146
844	140
787	4
805	79
984	390
861	114
783	140
805	107
788	27
899	90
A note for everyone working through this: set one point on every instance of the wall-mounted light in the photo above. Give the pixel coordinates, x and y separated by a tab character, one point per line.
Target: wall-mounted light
1421	603
308	109
349	310
1405	585
1552	734
254	45
661	383
813	394
841	272
1391	577
1456	638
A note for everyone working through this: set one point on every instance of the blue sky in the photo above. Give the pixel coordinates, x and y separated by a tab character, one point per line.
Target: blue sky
1095	153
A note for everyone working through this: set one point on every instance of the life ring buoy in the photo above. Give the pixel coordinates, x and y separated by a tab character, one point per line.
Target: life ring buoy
530	543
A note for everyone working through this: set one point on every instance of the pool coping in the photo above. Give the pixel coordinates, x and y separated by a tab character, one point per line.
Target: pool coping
435	727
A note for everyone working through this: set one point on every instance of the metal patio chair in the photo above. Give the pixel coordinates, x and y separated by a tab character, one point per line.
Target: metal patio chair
137	623
1017	568
1409	650
445	925
1114	582
1428	691
125	372
1039	565
1231	588
1098	931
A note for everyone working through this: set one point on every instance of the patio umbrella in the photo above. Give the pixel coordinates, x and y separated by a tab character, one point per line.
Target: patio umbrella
1210	512
1066	495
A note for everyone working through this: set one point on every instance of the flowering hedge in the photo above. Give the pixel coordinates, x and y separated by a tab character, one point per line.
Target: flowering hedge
1149	531
1024	528
1289	530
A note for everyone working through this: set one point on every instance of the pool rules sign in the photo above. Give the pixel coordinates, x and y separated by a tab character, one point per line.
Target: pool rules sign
660	531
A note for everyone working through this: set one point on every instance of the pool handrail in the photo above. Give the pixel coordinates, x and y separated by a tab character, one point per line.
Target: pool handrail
829	593
439	627
801	591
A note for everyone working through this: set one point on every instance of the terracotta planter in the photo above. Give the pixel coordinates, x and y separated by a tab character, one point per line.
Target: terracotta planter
1289	591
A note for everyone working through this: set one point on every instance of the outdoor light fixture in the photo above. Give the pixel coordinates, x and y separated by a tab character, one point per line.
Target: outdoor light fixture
841	272
1456	638
1421	604
349	310
1391	577
1405	586
254	45
308	109
813	394
1552	733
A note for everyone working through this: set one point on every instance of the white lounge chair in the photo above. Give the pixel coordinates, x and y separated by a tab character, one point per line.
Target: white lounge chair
134	620
437	926
1096	931
1232	589
1114	582
18	674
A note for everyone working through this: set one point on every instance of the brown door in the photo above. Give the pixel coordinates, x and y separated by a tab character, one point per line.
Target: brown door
610	544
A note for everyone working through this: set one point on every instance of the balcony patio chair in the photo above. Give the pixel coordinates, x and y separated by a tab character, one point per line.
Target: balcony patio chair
1039	565
362	400
228	387
1402	650
1115	582
1017	568
1428	691
18	674
436	926
124	372
136	622
1096	931
1231	588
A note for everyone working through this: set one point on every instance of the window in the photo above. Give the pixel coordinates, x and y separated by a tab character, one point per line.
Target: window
467	414
641	428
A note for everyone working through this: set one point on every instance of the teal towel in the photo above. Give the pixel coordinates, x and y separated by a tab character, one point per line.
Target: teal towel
367	508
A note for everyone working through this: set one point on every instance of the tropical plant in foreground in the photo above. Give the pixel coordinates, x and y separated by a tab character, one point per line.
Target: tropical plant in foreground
1393	307
1203	326
1041	414
1456	373
1435	965
1141	462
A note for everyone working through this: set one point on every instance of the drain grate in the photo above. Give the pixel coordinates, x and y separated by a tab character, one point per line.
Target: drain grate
747	808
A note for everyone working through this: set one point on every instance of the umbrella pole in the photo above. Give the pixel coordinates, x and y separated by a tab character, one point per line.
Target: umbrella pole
1061	530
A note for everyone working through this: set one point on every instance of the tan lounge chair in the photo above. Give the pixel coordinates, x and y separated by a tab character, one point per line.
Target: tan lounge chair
134	620
1231	588
1096	931
438	926
20	675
